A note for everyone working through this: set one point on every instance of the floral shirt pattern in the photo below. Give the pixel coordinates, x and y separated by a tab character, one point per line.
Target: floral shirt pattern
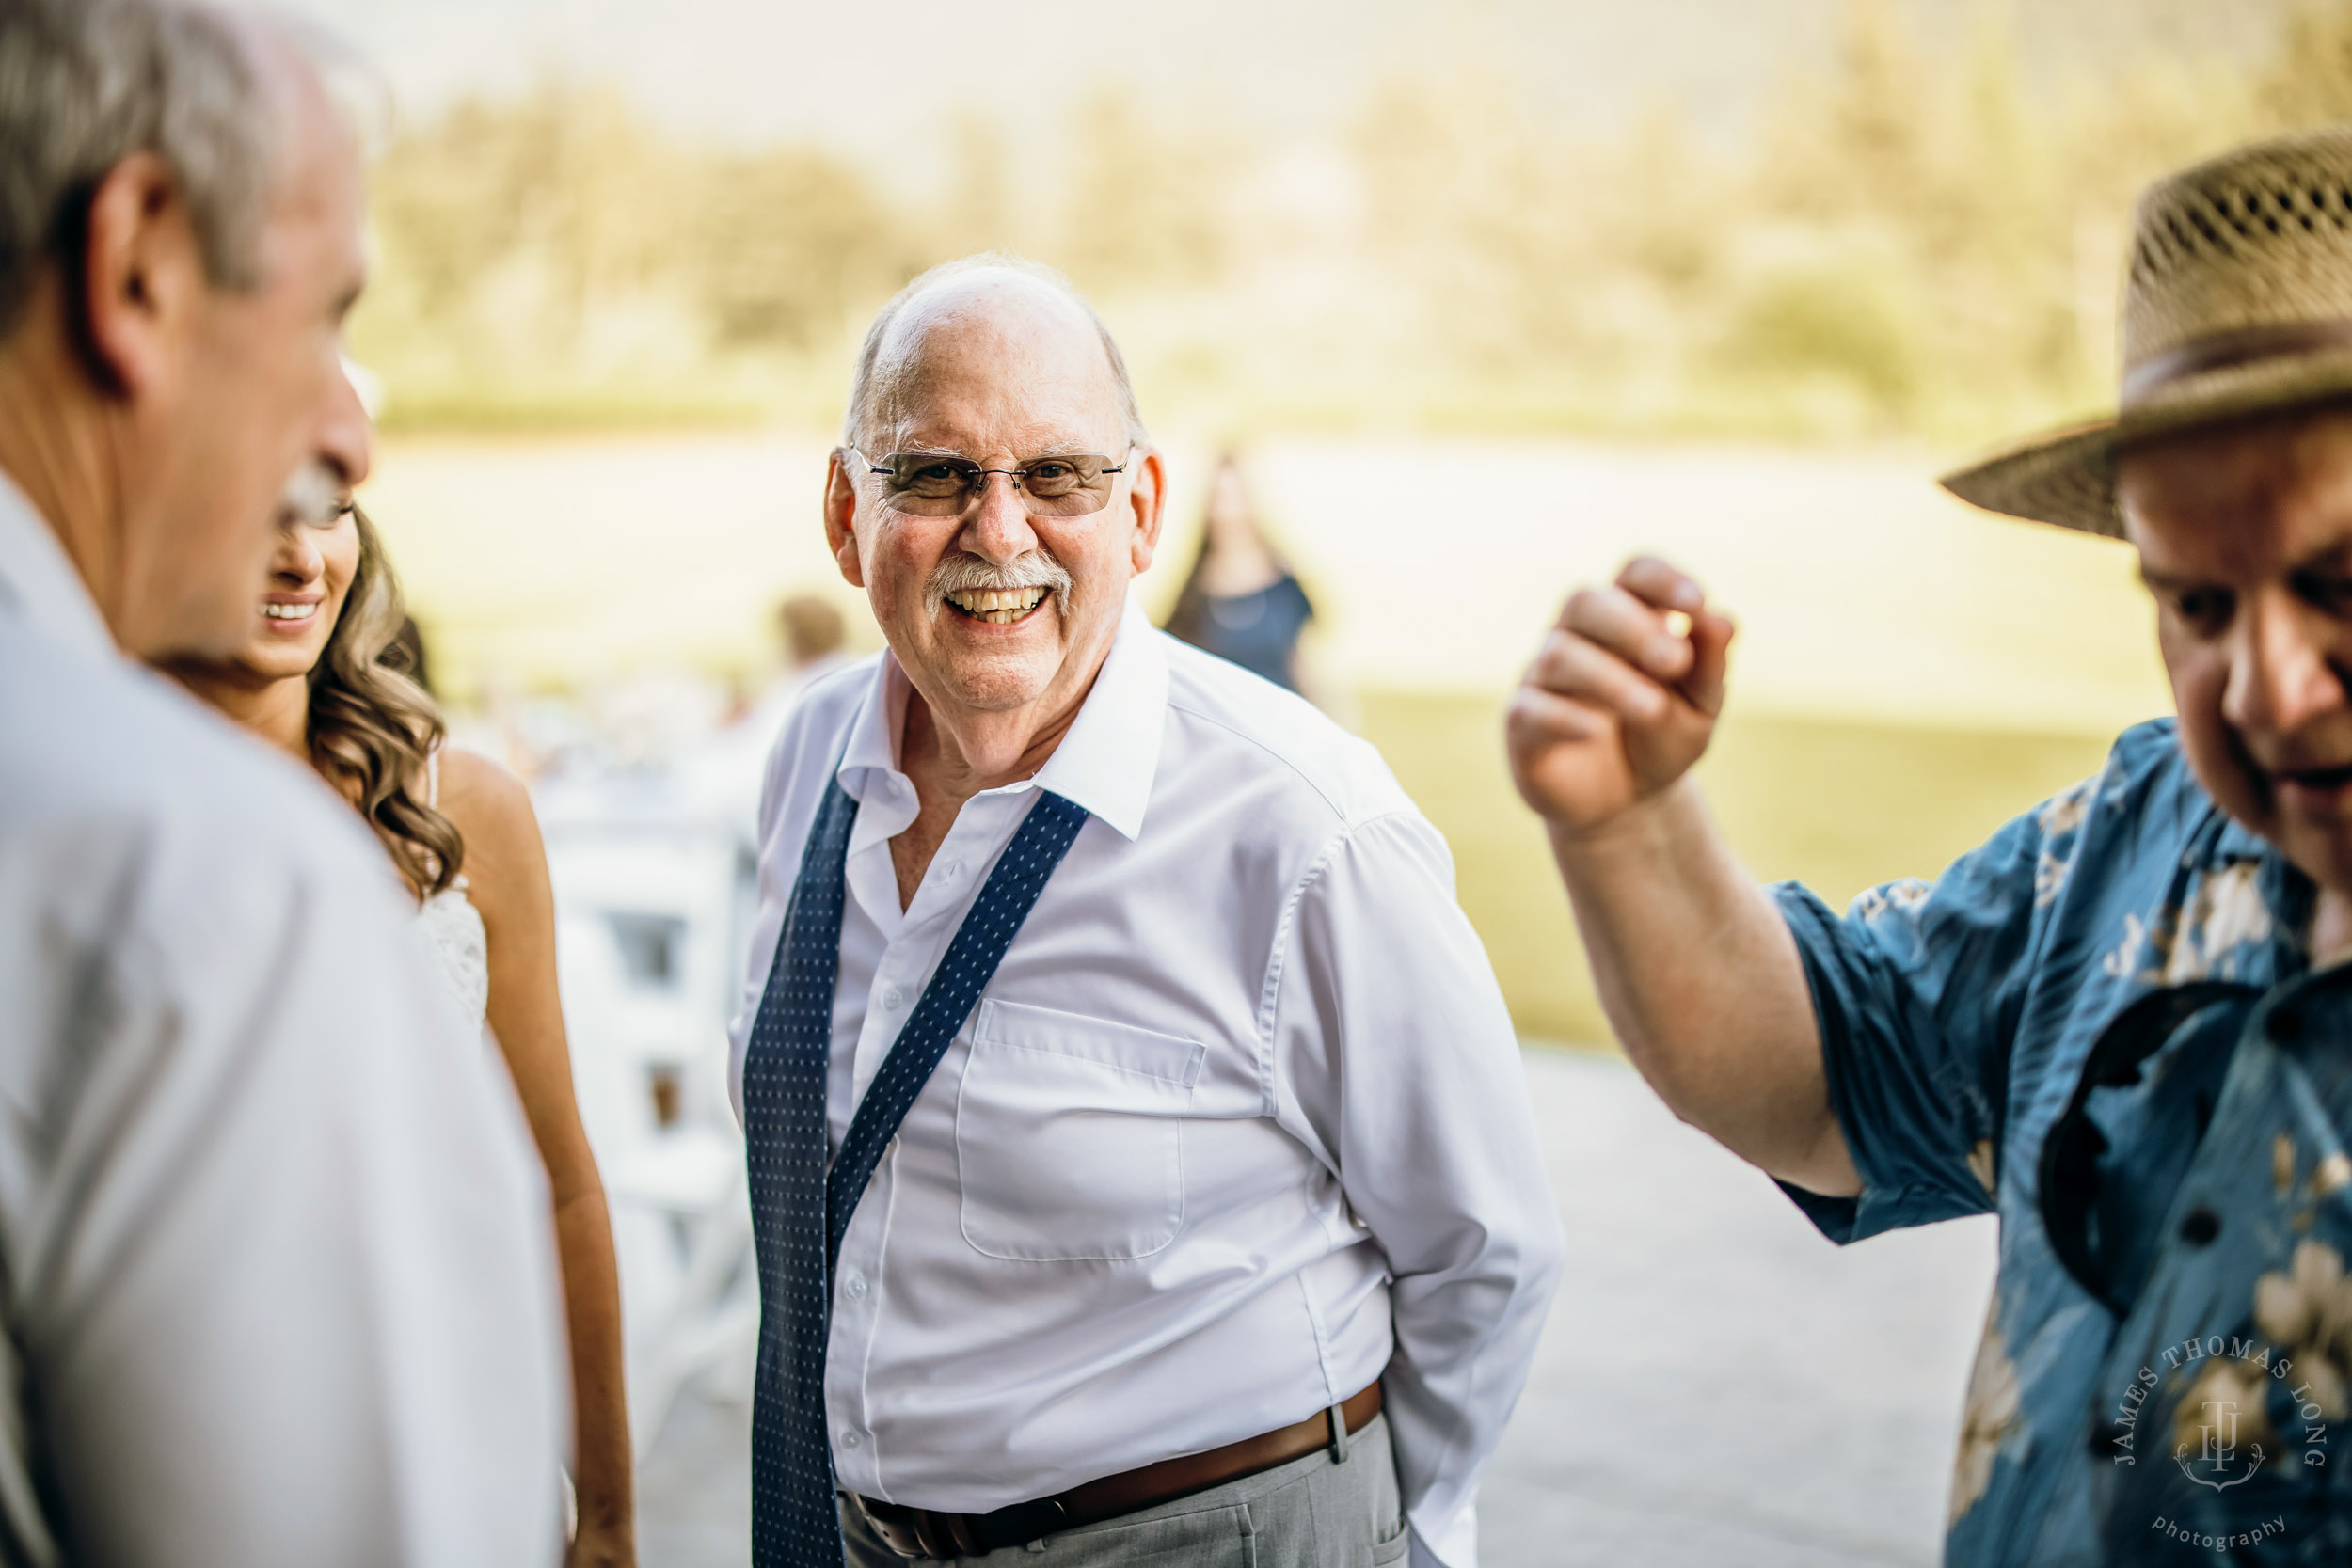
2102	1027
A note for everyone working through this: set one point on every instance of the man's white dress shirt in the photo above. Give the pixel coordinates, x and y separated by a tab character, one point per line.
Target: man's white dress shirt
276	1266
1238	1125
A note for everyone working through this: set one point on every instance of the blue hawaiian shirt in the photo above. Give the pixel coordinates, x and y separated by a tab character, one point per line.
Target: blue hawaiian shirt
2101	1025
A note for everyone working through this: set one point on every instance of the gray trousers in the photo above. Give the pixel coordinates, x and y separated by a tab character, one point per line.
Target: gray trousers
1308	1514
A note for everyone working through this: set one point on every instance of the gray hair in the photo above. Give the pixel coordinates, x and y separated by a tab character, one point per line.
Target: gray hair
872	382
84	83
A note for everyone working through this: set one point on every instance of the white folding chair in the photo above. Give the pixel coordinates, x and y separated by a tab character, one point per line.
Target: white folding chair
649	921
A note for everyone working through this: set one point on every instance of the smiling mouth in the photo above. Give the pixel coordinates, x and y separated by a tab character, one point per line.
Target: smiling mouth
290	611
2319	780
997	606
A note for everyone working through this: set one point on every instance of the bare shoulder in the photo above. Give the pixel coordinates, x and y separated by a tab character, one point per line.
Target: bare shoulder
492	810
476	788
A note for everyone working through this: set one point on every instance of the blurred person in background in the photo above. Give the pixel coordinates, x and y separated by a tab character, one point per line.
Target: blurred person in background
1241	601
311	678
721	777
812	633
1044	894
2124	1023
279	1284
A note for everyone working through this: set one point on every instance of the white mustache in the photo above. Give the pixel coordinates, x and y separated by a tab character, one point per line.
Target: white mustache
964	573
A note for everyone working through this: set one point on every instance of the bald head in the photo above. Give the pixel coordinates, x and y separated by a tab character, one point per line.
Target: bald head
996	320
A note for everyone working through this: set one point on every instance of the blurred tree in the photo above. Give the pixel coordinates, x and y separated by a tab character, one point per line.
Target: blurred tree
1916	240
784	244
526	244
1837	320
1483	218
571	176
981	210
1877	119
1662	214
1145	205
556	258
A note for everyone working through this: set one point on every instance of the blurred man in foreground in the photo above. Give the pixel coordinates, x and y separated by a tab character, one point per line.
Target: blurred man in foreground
2124	1024
1133	1116
278	1282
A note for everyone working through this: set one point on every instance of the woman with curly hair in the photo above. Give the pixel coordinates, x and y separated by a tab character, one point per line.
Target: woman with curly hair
312	678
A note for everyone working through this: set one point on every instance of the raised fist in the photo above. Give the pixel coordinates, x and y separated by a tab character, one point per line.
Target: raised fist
1621	700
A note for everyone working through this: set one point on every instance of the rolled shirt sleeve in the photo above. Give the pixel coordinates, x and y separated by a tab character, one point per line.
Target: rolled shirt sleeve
1917	992
1396	1062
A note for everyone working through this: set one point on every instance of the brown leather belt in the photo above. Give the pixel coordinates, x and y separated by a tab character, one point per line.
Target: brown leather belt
921	1533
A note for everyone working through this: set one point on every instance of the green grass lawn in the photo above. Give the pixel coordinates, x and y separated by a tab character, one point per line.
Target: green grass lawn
1838	805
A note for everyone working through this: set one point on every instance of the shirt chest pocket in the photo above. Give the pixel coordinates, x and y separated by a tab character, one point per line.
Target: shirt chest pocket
1069	1135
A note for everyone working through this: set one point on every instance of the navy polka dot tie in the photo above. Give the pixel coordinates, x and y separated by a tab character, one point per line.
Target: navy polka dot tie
800	1213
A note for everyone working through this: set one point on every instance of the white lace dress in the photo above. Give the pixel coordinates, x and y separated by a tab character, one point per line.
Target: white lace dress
455	924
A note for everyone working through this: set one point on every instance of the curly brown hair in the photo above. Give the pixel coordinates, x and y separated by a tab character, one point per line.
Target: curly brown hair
374	729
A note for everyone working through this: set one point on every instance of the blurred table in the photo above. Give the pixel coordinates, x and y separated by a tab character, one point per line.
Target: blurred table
1717	1384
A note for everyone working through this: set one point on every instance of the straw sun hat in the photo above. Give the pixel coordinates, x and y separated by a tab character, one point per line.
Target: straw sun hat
2239	304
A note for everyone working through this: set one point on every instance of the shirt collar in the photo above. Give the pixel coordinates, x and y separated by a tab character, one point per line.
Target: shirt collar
1107	760
39	585
2222	841
2237	842
1106	764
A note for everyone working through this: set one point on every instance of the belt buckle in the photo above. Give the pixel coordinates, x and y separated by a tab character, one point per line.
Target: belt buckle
897	1534
1025	1523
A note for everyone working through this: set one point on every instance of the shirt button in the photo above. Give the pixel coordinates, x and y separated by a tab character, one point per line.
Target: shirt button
856	1284
894	999
951	869
2199	1226
851	1439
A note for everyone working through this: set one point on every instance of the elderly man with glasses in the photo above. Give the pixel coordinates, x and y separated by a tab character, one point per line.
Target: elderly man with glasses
1139	1156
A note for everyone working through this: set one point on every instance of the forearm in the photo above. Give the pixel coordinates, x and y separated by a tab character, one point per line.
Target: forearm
1701	980
604	1466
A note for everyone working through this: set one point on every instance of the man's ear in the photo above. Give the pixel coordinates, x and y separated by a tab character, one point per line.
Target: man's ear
841	520
1148	495
142	273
